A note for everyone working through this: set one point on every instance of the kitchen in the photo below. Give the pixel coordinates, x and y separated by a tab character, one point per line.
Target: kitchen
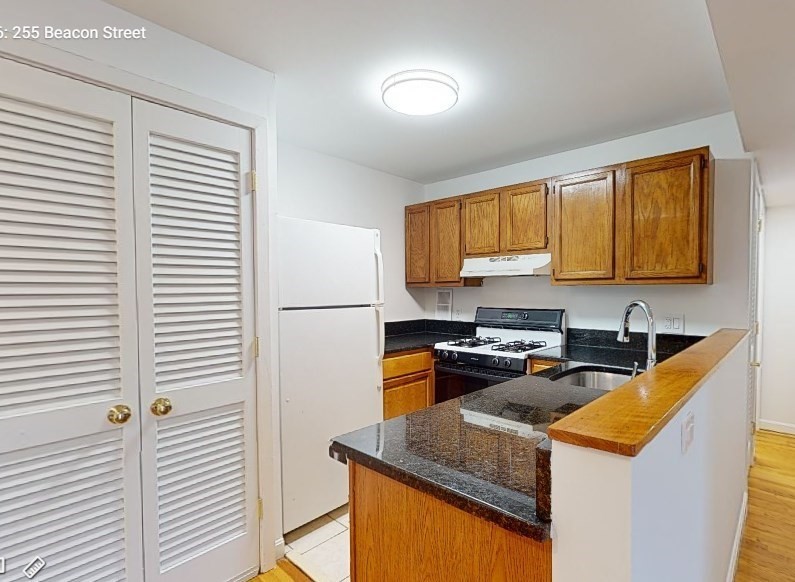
275	316
443	361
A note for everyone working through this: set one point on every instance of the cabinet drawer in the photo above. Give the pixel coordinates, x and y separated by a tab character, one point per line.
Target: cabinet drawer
538	365
403	364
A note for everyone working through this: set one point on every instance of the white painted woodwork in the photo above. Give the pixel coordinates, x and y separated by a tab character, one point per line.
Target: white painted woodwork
196	314
69	479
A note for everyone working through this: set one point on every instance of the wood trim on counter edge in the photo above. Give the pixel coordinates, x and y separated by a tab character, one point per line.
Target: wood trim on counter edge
628	418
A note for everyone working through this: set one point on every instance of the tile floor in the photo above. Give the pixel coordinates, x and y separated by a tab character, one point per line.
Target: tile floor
322	548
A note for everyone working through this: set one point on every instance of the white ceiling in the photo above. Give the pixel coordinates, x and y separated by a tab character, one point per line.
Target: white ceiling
757	46
536	76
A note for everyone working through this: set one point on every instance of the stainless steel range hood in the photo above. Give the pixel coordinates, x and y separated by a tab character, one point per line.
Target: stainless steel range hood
508	266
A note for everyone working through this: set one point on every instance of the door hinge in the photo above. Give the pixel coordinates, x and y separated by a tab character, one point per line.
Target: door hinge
756	364
546	242
700	268
704	163
759	225
260	509
756	327
252	181
256	346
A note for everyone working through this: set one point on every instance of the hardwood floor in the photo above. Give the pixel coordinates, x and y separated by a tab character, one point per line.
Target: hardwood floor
767	553
285	571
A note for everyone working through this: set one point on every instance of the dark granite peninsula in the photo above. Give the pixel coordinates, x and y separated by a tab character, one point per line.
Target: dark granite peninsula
485	453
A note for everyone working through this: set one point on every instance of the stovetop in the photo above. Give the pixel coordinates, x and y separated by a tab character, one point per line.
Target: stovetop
505	338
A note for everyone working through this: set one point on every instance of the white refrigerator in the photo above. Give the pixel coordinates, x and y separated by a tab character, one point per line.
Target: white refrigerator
331	345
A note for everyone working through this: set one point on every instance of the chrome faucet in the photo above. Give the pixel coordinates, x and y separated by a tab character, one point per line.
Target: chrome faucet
623	330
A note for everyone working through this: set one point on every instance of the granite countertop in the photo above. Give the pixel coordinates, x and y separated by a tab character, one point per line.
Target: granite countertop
485	453
415	341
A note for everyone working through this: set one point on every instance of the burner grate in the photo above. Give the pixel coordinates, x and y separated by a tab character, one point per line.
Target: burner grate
474	342
519	346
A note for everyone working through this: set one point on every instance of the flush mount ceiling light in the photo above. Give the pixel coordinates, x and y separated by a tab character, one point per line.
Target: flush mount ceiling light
419	92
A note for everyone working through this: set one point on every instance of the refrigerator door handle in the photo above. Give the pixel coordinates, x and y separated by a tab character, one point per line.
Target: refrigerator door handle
379	318
379	264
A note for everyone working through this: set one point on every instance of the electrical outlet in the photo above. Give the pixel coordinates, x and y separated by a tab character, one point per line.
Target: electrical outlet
688	432
458	315
673	323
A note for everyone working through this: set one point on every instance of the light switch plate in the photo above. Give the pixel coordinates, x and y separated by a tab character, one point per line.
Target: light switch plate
672	323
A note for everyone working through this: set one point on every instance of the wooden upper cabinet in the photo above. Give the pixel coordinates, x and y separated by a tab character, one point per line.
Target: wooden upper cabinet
523	219
584	211
666	216
446	256
482	224
418	244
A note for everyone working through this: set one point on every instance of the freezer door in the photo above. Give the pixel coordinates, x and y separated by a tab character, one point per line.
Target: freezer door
330	373
328	265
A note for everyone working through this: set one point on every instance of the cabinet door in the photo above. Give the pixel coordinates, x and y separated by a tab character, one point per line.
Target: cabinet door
524	218
407	394
663	218
446	242
585	227
195	263
418	239
482	224
69	474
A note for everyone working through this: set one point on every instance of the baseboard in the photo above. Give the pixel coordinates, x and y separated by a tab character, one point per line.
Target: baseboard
782	427
280	548
738	538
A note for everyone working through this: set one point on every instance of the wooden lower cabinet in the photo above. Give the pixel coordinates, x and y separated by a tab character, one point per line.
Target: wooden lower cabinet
539	365
401	534
408	394
408	382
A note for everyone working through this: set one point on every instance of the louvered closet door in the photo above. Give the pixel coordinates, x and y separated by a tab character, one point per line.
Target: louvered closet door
195	294
69	479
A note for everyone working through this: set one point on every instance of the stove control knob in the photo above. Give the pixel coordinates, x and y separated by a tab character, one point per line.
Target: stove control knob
525	315
507	363
495	361
445	355
454	356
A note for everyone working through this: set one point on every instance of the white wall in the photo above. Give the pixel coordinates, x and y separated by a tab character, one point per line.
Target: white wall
777	406
164	56
720	132
663	515
706	307
320	187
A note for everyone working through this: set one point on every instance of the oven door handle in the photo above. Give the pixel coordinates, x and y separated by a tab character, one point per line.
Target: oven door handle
472	372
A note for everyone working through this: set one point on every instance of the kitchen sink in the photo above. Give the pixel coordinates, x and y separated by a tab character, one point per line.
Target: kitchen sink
598	377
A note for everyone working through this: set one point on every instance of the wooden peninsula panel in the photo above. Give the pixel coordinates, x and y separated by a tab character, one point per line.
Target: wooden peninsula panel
626	419
401	534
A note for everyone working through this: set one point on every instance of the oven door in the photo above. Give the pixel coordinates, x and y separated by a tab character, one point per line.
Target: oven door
454	380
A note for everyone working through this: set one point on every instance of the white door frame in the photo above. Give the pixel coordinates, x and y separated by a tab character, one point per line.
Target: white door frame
263	144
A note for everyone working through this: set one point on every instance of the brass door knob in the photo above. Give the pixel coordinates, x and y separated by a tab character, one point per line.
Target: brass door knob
119	414
161	407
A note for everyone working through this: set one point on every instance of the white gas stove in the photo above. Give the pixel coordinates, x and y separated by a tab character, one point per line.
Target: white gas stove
505	340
